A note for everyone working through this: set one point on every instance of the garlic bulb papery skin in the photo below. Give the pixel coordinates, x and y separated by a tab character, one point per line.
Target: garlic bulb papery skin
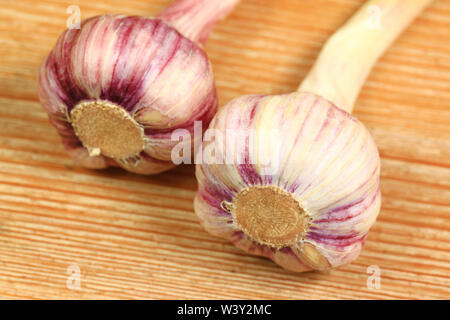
117	87
322	194
302	187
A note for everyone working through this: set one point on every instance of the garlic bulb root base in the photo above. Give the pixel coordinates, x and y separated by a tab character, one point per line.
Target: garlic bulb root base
269	216
106	128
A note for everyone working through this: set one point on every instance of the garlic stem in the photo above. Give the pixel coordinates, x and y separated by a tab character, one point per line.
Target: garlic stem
350	53
195	19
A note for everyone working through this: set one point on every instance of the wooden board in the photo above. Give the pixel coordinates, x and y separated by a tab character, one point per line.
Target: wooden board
137	237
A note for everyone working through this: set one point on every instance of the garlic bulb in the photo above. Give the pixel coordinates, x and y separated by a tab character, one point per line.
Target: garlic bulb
298	182
117	87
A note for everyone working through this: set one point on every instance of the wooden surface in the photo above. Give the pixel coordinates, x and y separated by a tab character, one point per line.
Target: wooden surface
137	237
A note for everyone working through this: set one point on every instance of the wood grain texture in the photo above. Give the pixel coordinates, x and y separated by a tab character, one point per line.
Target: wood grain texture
137	237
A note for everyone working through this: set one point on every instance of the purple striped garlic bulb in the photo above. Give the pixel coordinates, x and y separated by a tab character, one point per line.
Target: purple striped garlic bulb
295	177
116	88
